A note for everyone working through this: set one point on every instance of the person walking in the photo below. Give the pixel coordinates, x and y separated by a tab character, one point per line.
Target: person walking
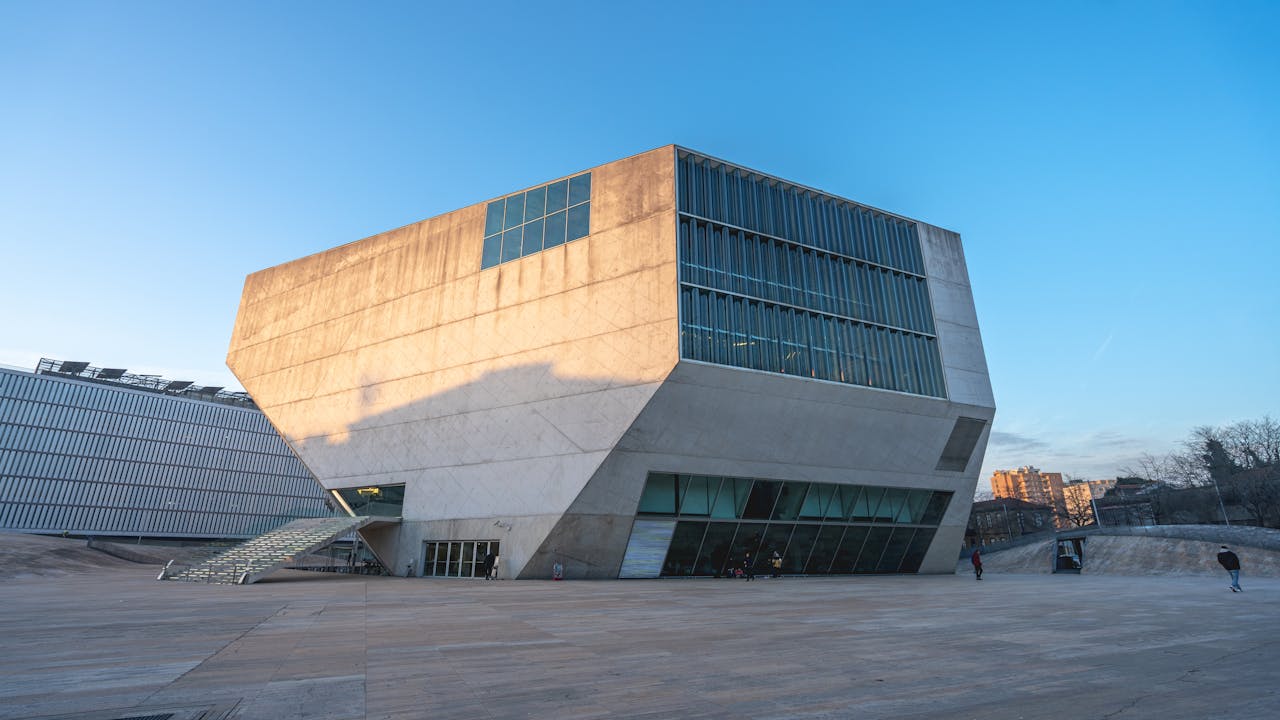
1231	562
976	559
490	560
775	561
748	567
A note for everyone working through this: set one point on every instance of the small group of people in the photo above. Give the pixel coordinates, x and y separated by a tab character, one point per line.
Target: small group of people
1229	560
747	569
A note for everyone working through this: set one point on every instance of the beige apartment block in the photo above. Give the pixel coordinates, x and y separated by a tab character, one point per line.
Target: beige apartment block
648	368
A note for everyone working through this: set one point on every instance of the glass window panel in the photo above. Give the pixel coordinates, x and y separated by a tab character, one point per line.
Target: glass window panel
515	212
697	493
937	507
511	244
493	217
748	540
775	540
579	189
659	496
579	221
760	503
897	546
732	498
798	550
846	555
872	549
865	509
492	251
555	226
557	194
683	552
535	204
715	548
913	511
532	241
789	500
891	505
916	551
815	503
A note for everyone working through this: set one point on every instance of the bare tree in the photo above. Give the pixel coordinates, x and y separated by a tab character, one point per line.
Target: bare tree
1079	509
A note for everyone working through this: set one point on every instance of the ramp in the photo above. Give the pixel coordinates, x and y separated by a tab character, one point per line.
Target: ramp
253	560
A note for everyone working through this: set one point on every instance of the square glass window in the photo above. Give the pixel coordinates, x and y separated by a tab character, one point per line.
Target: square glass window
697	493
865	509
788	505
535	204
815	503
732	498
715	548
493	217
872	549
492	251
936	509
579	221
511	244
579	189
532	242
917	501
798	550
659	496
683	551
515	212
760	503
891	505
554	230
557	196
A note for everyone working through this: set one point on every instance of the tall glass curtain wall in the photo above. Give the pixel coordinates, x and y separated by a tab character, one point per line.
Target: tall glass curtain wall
817	528
86	458
778	278
537	219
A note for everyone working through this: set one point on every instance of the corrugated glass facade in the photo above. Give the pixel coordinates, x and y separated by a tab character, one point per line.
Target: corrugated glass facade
712	526
784	279
89	458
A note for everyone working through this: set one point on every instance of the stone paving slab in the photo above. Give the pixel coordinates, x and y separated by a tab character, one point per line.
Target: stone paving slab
115	643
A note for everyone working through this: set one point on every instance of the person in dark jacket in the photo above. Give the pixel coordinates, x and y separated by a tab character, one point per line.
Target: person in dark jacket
749	566
1231	562
976	559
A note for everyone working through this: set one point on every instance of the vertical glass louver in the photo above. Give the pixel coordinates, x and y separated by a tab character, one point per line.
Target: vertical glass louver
779	278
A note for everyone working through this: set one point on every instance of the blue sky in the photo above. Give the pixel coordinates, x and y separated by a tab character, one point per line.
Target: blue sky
1114	168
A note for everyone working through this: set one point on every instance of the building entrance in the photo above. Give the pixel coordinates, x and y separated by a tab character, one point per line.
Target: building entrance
456	558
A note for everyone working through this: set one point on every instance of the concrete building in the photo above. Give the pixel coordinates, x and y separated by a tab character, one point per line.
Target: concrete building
1030	484
107	453
652	367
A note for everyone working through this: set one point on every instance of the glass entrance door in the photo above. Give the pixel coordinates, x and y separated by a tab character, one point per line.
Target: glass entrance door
457	558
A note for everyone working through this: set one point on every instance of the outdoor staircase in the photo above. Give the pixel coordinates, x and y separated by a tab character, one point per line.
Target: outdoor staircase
254	559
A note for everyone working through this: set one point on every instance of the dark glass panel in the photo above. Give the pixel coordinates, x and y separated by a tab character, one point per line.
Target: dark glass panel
789	500
865	509
731	500
557	195
746	541
793	562
579	189
554	230
760	504
493	217
515	211
815	503
936	509
847	555
659	496
877	538
683	551
492	254
891	505
846	500
917	501
899	541
697	492
579	224
511	244
384	500
715	548
535	204
915	552
775	540
532	241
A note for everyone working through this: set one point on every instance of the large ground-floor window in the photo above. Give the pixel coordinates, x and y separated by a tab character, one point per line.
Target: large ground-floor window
714	526
457	558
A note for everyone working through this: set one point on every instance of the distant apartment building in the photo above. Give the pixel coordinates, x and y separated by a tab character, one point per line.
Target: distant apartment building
1005	519
1029	484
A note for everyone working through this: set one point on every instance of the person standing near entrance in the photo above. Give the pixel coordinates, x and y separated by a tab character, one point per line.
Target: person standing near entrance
1231	562
976	559
490	561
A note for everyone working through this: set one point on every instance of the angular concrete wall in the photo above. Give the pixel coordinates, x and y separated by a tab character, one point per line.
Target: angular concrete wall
492	393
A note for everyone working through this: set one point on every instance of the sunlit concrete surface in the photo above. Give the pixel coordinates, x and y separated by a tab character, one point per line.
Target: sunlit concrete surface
112	643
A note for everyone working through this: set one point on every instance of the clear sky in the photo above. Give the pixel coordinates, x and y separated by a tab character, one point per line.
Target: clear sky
1113	167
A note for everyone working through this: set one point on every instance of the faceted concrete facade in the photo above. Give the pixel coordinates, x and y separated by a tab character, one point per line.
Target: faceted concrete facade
527	402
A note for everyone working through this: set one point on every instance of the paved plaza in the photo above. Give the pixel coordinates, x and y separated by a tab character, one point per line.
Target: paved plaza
114	643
